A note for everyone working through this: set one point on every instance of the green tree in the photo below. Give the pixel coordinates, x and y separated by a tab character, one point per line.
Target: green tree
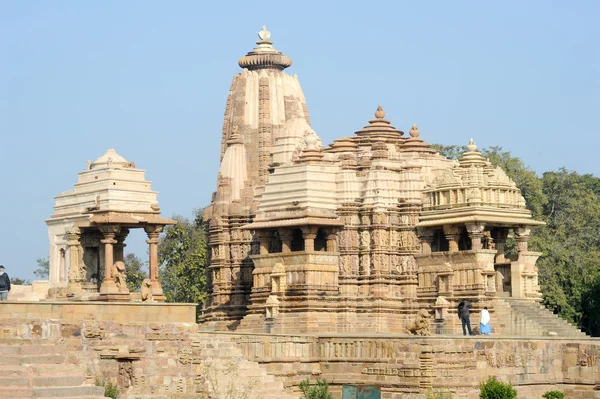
43	268
134	272
450	151
182	254
19	281
570	265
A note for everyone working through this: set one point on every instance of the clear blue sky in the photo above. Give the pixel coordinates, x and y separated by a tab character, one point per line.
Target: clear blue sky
150	78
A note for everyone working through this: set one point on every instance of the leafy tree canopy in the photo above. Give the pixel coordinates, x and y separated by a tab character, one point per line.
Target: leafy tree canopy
182	254
43	268
134	271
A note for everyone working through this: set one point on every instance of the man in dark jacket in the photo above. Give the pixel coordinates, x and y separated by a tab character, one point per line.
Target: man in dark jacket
4	284
464	309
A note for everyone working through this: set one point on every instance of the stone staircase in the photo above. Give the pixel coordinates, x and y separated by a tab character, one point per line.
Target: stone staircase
527	318
41	369
230	369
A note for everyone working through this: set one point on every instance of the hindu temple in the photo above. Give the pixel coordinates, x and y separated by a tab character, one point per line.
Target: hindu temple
357	235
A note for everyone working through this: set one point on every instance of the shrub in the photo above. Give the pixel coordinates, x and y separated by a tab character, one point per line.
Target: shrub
553	395
494	389
110	389
319	391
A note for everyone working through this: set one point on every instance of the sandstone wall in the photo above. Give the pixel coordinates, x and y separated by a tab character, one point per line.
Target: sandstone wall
173	360
122	312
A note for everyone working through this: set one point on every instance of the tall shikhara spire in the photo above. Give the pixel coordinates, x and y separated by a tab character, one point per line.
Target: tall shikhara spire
265	122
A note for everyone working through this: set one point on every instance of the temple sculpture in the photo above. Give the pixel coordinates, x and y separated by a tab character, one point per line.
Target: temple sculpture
358	236
89	226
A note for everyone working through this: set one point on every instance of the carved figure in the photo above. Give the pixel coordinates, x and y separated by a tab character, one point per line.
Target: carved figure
120	277
420	326
147	291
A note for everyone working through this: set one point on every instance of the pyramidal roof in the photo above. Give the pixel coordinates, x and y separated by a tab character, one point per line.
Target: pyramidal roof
110	185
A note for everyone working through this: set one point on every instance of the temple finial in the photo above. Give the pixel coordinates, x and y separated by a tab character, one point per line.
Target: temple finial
414	131
472	147
380	113
264	34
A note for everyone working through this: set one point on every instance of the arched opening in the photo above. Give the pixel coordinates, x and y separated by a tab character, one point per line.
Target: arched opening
439	243
320	242
297	241
275	243
464	241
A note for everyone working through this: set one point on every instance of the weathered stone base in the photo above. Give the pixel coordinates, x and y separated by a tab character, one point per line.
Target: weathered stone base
121	312
169	360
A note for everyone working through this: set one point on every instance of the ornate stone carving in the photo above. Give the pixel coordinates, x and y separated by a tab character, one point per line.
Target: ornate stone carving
146	291
420	325
120	277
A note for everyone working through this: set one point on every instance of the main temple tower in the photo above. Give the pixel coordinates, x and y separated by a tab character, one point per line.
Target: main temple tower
264	105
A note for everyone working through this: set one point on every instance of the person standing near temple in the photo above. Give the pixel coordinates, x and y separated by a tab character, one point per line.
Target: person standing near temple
484	322
4	284
464	310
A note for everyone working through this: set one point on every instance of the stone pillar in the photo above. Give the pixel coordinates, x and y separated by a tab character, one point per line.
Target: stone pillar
426	238
286	240
309	233
264	238
500	235
120	245
153	231
108	284
452	233
475	231
75	277
522	237
331	237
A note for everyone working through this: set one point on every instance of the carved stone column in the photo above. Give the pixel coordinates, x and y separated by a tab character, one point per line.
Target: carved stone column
309	234
286	236
522	236
108	284
264	238
331	237
120	245
426	238
75	272
153	232
475	231
452	233
500	235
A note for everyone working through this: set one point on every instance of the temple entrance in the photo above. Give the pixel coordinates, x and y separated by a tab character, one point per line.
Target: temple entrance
503	280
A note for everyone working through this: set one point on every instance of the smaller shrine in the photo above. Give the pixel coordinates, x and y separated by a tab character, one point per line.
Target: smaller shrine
90	224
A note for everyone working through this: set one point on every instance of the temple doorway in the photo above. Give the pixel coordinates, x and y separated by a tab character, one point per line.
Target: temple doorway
503	280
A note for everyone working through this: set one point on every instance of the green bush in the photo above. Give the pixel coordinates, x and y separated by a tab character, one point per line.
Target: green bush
319	391
494	389
110	389
553	395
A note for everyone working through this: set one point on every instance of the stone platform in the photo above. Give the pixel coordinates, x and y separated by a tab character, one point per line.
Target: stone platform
122	312
162	360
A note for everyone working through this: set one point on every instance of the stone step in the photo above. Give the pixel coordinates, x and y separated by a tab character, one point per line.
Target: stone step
17	393
56	370
11	370
54	392
75	397
59	381
42	359
14	382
